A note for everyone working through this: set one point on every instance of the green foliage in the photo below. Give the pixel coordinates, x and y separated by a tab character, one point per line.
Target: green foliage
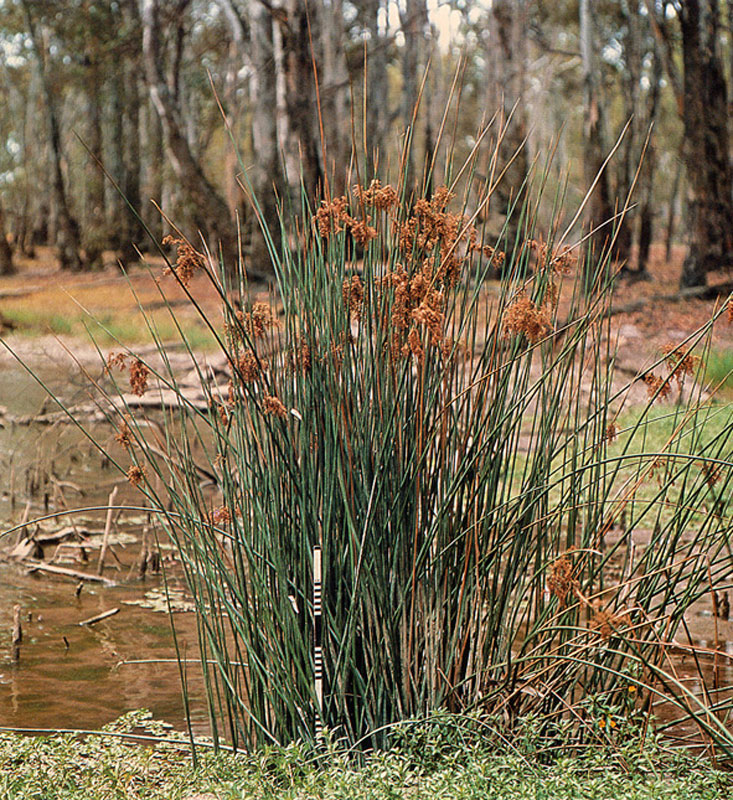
100	766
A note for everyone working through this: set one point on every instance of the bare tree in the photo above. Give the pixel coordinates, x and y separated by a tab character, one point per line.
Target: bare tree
68	240
210	213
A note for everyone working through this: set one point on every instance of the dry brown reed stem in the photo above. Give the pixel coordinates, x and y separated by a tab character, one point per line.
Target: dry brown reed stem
107	529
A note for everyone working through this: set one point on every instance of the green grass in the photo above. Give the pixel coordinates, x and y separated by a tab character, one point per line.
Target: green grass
110	329
426	763
719	370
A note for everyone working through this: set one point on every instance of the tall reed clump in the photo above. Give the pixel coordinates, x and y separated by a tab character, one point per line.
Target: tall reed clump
453	452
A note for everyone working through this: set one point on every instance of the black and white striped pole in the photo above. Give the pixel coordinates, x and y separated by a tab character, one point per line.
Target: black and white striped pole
317	638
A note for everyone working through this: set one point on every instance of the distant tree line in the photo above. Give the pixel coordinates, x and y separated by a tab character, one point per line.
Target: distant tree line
113	105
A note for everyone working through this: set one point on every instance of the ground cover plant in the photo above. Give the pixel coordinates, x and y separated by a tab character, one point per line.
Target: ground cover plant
442	757
413	494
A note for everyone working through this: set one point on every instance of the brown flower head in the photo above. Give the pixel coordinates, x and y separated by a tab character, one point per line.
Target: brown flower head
136	474
561	582
711	472
332	216
496	257
353	294
220	515
273	405
524	317
381	197
249	367
258	321
138	377
118	360
656	386
124	435
188	260
608	622
611	432
301	358
414	346
679	362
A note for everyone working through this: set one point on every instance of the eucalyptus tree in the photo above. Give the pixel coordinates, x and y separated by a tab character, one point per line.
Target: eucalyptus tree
694	27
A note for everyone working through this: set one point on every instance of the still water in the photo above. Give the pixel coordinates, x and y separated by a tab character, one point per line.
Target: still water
72	676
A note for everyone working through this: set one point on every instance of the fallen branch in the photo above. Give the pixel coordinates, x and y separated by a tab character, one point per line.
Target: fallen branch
70	573
100	617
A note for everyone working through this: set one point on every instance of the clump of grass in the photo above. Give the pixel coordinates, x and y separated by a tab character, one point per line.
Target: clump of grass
440	457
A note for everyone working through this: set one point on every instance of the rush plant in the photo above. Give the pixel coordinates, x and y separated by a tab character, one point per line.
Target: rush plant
451	452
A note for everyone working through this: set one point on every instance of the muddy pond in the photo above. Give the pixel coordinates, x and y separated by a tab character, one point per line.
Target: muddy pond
70	675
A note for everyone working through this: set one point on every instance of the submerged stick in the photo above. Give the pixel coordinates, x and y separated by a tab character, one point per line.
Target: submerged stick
107	529
100	617
17	637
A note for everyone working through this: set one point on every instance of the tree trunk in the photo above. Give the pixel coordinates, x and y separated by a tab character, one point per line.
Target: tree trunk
648	168
377	111
298	129
153	156
598	209
94	219
68	239
507	66
334	88
6	253
413	21
209	211
706	145
268	179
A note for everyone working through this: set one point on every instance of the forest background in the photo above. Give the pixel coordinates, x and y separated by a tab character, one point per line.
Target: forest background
135	85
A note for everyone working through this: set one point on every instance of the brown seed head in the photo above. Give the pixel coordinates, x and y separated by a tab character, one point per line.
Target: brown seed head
561	581
138	377
679	362
381	197
353	294
362	232
124	435
608	622
332	216
116	360
524	317
220	515
188	260
136	474
656	386
249	367
273	405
